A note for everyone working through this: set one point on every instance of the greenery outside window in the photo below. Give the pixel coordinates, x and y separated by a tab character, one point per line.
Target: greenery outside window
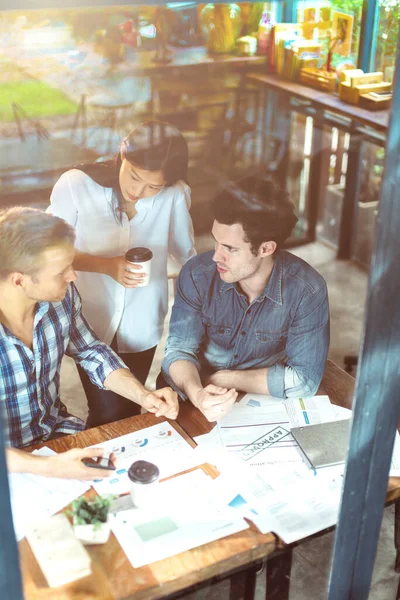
388	32
352	7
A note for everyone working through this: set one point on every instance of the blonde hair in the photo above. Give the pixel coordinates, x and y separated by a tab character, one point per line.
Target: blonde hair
25	233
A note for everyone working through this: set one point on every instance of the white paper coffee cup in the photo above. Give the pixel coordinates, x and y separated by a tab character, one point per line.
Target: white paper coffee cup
142	256
144	478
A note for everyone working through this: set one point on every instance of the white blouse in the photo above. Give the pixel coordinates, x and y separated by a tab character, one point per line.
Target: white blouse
162	224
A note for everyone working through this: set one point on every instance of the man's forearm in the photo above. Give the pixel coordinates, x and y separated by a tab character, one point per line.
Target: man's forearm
253	381
186	377
124	383
90	263
19	461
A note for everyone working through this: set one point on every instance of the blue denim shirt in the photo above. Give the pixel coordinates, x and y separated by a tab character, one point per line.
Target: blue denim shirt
286	328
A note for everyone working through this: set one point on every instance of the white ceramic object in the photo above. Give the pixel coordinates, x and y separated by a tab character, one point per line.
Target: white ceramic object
89	535
144	480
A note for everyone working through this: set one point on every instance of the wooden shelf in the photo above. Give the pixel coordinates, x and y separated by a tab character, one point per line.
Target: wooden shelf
377	119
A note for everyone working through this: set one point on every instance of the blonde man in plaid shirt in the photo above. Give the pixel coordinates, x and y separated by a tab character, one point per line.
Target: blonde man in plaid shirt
40	321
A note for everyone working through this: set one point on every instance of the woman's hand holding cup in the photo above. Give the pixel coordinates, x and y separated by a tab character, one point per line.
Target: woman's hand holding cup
140	258
119	269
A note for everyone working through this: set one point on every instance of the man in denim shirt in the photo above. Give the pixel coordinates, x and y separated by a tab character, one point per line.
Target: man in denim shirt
248	316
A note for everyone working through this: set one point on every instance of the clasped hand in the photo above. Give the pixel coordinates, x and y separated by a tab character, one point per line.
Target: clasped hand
215	401
162	402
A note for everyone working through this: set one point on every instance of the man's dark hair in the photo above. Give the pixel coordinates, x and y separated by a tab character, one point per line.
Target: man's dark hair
262	208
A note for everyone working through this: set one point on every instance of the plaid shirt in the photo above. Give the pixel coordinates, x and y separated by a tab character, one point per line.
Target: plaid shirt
30	403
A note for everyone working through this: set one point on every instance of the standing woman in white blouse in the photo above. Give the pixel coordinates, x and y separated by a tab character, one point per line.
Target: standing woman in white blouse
140	198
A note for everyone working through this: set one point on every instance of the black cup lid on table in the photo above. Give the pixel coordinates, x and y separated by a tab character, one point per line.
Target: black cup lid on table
139	254
143	472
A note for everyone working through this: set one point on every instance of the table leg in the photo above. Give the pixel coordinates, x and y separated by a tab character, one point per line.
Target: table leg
351	195
243	585
278	576
319	171
397	535
250	584
281	126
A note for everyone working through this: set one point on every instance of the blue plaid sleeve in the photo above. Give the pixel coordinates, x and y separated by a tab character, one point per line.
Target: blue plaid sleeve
95	357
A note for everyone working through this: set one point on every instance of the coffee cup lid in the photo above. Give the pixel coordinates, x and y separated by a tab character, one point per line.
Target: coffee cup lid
143	472
138	254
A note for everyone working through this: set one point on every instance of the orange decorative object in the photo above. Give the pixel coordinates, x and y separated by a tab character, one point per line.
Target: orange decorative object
317	78
221	24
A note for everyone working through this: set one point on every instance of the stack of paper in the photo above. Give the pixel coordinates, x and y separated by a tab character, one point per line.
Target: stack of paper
295	507
34	497
60	555
280	492
258	429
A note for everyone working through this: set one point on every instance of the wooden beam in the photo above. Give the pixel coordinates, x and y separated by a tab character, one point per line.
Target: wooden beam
377	397
10	576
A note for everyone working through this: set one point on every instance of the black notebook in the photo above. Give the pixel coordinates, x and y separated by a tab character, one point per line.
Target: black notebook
324	444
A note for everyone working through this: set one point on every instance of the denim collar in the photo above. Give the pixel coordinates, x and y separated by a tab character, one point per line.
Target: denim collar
273	289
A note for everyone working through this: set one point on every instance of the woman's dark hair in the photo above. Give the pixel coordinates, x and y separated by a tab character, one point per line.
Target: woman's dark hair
262	208
152	146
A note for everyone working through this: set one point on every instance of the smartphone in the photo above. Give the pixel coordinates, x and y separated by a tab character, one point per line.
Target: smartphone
102	462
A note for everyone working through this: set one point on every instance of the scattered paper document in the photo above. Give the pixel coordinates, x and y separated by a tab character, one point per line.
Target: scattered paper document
279	492
34	497
160	444
258	429
309	411
395	465
193	511
212	439
196	495
293	503
297	512
254	408
341	412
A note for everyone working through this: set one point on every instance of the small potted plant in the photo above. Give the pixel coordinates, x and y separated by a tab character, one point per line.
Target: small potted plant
90	519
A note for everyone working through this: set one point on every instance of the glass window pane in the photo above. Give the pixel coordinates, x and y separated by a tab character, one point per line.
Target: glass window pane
81	78
388	32
320	24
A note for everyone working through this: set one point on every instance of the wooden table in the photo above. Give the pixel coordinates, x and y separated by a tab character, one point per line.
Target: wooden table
112	574
119	86
142	61
339	386
336	383
114	577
